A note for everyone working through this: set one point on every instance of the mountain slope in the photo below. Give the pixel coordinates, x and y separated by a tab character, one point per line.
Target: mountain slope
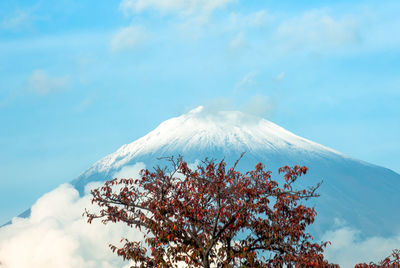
362	194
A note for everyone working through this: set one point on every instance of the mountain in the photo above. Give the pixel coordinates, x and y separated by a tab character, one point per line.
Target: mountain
363	195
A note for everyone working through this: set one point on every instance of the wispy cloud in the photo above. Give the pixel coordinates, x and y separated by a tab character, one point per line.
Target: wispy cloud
190	12
85	103
254	19
259	105
128	38
129	171
238	41
253	97
280	76
41	82
20	19
181	7
247	81
318	29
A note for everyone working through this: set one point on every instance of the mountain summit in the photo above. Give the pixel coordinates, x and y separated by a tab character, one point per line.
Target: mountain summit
225	132
363	195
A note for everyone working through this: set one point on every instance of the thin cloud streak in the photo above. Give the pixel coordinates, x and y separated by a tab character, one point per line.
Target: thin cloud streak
128	38
41	82
182	7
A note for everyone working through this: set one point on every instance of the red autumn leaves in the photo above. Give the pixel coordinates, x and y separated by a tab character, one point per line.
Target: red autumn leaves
213	216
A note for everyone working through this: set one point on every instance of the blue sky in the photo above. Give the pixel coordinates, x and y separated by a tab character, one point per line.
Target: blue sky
80	78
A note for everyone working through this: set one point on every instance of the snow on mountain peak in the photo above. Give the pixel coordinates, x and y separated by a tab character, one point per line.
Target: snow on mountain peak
201	128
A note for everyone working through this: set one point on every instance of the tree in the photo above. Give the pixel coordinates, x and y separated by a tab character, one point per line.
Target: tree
212	216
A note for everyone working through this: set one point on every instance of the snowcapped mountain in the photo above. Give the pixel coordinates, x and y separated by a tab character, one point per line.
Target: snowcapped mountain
199	133
363	195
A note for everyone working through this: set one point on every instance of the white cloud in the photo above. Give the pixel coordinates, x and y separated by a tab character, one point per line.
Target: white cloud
191	12
128	38
85	103
280	76
182	7
238	41
248	80
130	171
259	105
245	27
41	82
19	20
349	247
218	104
317	29
255	19
56	235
